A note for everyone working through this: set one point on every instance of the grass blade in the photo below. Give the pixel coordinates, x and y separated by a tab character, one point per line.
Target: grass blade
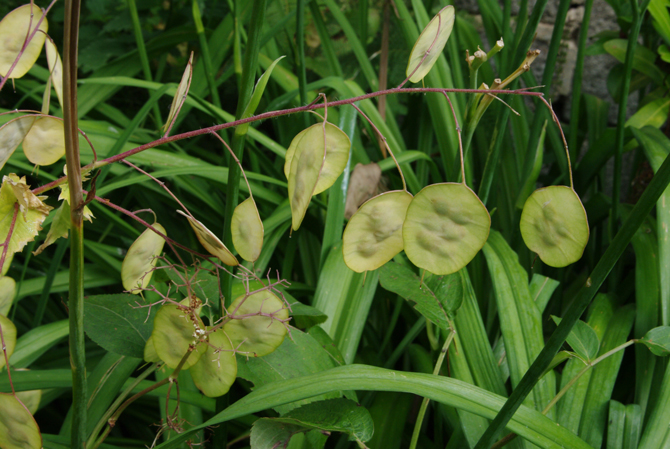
528	423
582	299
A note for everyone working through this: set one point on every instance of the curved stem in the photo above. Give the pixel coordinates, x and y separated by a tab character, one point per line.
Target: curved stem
424	403
509	437
274	114
91	441
383	139
460	140
232	154
565	142
172	378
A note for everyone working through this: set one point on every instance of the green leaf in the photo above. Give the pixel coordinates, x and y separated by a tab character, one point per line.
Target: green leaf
643	60
653	114
306	316
448	289
60	226
658	340
445	227
14	28
582	339
402	281
29	219
18	429
528	423
333	415
554	225
297	356
256	96
36	342
118	323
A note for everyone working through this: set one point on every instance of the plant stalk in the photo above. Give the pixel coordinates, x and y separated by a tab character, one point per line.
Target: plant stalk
424	403
76	296
623	107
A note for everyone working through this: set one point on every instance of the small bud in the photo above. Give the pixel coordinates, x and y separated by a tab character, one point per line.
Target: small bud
498	46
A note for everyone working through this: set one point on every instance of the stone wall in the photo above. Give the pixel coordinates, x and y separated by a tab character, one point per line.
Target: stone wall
596	68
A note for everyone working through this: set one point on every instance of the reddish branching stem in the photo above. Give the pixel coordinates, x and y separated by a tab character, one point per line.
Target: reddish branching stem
274	114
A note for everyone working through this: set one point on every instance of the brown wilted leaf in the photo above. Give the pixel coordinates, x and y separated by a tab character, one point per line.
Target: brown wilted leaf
363	185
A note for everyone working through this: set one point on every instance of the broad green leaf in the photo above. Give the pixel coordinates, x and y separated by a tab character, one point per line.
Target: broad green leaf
312	170
270	434
14	28
60	226
18	429
582	339
247	230
176	331
658	340
554	225
12	134
305	316
332	415
36	342
448	289
45	142
212	244
9	336
529	424
401	280
65	196
658	9
373	235
429	39
557	360
653	114
31	399
180	95
297	356
664	53
55	68
118	323
216	370
29	219
445	227
643	60
258	323
256	96
138	265
7	292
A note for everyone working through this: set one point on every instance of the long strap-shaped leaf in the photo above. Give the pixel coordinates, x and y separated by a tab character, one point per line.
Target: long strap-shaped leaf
528	423
581	301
